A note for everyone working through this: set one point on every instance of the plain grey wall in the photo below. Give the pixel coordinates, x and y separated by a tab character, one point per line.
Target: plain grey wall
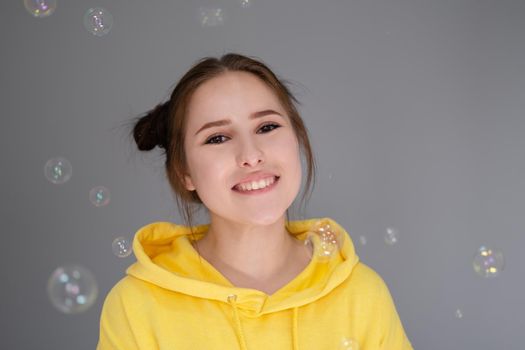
416	114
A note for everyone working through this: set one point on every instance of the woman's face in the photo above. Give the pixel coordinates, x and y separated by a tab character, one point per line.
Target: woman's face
221	157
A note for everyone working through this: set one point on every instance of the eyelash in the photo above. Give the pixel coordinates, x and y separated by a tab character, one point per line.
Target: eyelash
219	135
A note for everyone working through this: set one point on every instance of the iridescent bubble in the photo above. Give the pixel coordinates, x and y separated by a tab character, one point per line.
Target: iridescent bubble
58	170
488	262
98	21
325	239
72	289
99	196
211	17
348	344
121	247
245	3
459	314
391	236
362	239
40	8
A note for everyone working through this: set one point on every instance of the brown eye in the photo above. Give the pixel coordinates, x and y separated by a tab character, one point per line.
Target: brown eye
212	139
274	126
219	138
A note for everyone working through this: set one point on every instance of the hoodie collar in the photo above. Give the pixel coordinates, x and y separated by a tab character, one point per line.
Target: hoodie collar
166	258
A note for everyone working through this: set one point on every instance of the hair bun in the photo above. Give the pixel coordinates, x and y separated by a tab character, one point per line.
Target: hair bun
151	130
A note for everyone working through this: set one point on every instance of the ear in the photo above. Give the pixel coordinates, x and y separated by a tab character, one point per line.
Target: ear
188	183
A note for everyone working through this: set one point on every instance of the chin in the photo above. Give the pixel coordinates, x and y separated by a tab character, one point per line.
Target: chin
269	220
259	219
262	218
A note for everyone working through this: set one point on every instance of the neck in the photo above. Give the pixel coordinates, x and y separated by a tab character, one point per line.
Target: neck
254	252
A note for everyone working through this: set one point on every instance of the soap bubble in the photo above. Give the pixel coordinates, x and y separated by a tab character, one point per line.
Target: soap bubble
459	314
348	344
72	289
99	196
211	17
325	239
58	170
98	21
391	236
121	247
488	262
245	3
40	8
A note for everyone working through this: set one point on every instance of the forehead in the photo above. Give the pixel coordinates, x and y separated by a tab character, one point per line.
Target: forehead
229	93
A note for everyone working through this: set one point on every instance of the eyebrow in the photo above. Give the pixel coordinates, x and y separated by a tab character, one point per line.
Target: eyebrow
222	122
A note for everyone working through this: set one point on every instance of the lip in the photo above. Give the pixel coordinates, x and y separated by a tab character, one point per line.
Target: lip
259	191
256	177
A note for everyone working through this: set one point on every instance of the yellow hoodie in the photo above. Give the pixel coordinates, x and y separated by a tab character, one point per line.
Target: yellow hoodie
172	299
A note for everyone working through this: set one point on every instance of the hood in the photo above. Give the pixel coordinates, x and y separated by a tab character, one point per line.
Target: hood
166	258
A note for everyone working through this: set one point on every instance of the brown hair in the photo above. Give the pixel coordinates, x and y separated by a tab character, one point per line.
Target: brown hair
165	125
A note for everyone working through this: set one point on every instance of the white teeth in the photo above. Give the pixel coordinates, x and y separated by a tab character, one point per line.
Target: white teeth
255	185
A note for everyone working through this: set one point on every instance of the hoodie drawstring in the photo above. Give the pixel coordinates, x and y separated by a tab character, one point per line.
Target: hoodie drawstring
238	328
295	340
240	334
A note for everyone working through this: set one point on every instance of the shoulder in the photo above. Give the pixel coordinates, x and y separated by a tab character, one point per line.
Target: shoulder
366	276
365	282
127	291
372	293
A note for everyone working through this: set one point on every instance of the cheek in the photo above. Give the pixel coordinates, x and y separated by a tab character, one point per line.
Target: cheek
208	168
288	152
286	147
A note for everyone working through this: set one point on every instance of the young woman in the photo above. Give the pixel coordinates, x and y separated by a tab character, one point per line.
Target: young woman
251	278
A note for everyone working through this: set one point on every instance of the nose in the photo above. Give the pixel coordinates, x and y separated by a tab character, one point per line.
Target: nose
249	154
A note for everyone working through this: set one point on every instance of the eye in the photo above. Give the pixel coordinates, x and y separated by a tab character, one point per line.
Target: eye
215	139
219	138
269	127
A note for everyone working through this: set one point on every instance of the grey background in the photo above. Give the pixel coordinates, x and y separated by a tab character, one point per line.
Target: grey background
416	114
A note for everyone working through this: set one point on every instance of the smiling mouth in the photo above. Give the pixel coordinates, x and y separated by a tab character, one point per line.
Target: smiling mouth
253	190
